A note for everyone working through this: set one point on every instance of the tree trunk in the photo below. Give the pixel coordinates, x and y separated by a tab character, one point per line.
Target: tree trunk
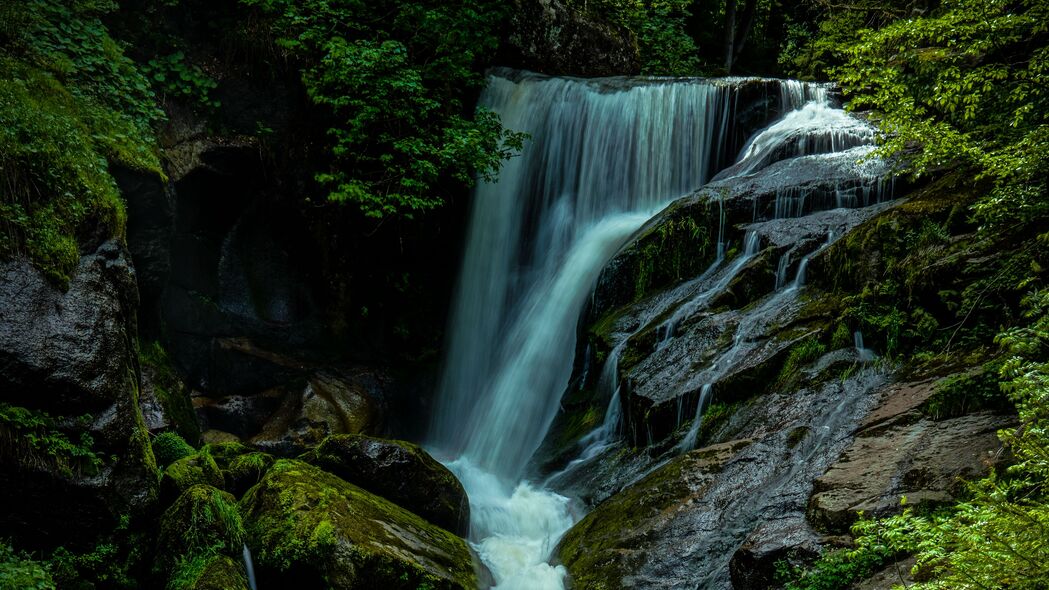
750	9
730	34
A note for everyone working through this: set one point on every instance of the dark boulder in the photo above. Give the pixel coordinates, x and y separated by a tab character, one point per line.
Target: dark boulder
400	472
68	366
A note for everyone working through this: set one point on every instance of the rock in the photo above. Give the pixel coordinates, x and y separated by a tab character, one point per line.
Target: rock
399	471
754	564
212	437
245	471
552	38
898	453
606	548
198	469
328	404
163	396
202	521
219	573
891	576
305	525
72	356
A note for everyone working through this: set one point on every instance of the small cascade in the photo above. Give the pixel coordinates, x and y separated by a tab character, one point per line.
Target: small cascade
689	442
751	246
781	270
799	279
866	355
249	568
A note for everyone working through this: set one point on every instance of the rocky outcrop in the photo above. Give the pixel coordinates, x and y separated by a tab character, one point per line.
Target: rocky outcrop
399	471
551	37
70	358
305	525
328	404
900	454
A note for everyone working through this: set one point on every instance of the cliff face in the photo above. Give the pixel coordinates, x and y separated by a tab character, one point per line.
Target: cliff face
552	37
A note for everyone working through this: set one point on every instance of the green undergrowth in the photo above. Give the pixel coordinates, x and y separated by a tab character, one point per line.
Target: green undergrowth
71	103
34	439
18	570
114	560
169	447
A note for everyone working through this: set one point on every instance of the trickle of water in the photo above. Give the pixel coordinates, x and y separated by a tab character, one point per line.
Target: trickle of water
866	355
249	568
781	270
689	442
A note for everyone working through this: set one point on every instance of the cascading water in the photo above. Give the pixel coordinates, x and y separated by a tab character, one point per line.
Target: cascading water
603	157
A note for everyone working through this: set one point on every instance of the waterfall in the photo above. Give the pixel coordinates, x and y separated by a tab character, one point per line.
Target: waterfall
603	157
249	568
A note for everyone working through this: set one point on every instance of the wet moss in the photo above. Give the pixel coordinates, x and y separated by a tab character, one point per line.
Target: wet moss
303	519
171	392
217	572
203	522
187	472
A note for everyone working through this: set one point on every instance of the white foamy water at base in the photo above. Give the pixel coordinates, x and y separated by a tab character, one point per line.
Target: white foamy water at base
516	526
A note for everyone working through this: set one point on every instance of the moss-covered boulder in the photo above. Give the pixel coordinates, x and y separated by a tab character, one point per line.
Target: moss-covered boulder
399	471
187	472
217	572
203	521
311	528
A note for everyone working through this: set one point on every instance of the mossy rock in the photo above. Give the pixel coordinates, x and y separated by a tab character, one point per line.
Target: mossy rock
315	530
225	452
187	472
203	521
610	543
399	471
246	470
169	447
217	572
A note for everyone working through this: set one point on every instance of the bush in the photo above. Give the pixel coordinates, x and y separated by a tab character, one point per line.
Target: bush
17	570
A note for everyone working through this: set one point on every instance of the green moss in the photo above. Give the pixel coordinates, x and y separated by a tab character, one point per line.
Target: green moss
190	471
800	355
203	522
32	438
170	390
610	542
842	337
972	391
672	251
215	572
169	447
70	103
300	516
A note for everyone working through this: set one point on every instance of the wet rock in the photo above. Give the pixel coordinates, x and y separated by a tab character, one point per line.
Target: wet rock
213	436
242	416
345	536
607	547
197	469
399	471
891	576
550	37
754	564
72	355
164	398
898	453
328	404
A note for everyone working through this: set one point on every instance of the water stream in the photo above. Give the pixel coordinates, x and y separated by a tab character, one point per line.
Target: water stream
604	156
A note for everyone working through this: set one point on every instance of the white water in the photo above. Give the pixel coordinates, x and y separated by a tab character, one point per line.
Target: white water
603	157
249	568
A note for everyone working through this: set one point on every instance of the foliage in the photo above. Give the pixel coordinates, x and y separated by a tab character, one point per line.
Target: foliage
111	562
960	394
394	77
17	570
70	103
34	438
173	76
800	355
169	447
964	86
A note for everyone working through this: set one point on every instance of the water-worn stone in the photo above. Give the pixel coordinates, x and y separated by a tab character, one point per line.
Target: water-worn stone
72	353
399	471
898	453
309	528
187	472
202	520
